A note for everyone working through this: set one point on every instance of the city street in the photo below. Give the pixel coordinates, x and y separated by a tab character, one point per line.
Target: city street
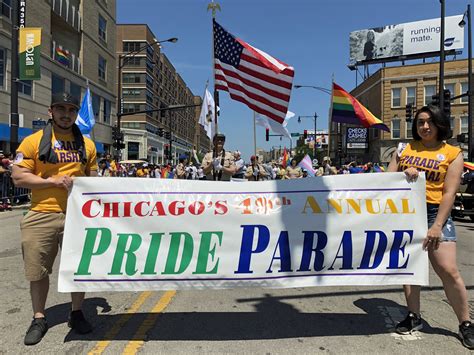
264	321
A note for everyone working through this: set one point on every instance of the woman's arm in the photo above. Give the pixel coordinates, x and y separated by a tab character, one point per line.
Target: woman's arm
450	188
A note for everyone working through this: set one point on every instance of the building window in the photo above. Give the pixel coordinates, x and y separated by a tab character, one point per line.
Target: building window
2	67
25	87
134	78
395	127
411	95
102	28
464	124
57	84
396	97
107	109
464	99
132	46
450	87
451	122
430	90
75	90
6	8
409	132
102	68
96	104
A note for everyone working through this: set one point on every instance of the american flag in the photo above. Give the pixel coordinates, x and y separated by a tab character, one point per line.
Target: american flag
251	76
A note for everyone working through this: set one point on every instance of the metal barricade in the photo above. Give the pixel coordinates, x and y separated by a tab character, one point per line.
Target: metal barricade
11	195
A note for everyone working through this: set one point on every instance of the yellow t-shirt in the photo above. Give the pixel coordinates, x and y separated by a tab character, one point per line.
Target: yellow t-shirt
53	199
142	172
434	162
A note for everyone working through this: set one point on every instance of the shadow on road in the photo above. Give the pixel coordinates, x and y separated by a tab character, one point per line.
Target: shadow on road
273	319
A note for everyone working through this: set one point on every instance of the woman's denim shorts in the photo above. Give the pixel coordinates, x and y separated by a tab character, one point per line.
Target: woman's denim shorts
448	233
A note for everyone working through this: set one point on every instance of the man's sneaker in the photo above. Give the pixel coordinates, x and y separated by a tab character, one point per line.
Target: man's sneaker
466	333
36	331
411	323
79	323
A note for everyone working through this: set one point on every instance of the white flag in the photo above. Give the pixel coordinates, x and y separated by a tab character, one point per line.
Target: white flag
274	126
207	117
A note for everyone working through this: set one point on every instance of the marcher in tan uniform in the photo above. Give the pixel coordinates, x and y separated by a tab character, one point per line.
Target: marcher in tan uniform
46	163
181	168
218	165
255	171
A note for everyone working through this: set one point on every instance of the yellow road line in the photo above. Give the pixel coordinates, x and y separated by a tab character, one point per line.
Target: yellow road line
134	345
101	345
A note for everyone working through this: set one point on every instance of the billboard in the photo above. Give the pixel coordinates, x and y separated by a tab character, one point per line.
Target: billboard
357	138
405	39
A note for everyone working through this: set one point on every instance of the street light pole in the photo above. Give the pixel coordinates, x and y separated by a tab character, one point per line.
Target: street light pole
469	85
469	92
122	60
441	61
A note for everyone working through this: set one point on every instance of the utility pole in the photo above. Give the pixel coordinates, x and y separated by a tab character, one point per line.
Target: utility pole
441	61
14	117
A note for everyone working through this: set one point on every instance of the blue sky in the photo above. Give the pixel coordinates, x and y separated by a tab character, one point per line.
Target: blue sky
310	35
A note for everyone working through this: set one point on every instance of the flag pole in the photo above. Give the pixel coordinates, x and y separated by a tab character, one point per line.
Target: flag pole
214	6
330	116
254	133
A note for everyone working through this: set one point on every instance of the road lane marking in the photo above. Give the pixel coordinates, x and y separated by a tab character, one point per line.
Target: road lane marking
134	345
102	345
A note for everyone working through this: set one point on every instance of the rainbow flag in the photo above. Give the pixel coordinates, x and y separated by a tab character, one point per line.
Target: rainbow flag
286	158
62	56
469	165
347	109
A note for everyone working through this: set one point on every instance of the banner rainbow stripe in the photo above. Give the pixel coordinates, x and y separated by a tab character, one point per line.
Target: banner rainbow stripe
347	109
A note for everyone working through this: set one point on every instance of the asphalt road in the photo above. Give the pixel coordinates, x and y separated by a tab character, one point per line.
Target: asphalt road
262	321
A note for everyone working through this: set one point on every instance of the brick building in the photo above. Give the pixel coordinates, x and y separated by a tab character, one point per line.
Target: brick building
77	46
386	94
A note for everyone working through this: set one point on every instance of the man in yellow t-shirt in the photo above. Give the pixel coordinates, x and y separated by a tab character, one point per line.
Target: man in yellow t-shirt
46	163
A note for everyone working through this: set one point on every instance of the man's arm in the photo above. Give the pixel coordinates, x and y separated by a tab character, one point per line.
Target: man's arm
23	177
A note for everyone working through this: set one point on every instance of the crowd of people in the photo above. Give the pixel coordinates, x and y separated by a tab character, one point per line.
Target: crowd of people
252	171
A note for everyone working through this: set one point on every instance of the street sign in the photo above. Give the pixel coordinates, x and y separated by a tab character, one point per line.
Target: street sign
295	134
38	125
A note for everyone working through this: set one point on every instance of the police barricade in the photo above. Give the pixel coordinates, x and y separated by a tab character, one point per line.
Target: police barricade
180	234
10	194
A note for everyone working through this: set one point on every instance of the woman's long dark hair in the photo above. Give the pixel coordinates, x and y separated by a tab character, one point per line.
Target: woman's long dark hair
439	120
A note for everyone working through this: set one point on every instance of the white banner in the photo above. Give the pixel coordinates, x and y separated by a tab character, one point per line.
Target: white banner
156	234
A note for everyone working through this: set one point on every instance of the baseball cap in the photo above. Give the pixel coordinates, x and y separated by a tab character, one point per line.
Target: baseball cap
64	98
219	136
253	157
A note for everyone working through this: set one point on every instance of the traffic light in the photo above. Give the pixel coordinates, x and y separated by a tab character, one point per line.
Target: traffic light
339	146
160	132
115	133
305	134
267	134
447	103
408	112
435	100
167	135
166	150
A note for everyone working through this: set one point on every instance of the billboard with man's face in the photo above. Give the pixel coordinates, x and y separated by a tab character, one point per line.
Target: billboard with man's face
405	39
